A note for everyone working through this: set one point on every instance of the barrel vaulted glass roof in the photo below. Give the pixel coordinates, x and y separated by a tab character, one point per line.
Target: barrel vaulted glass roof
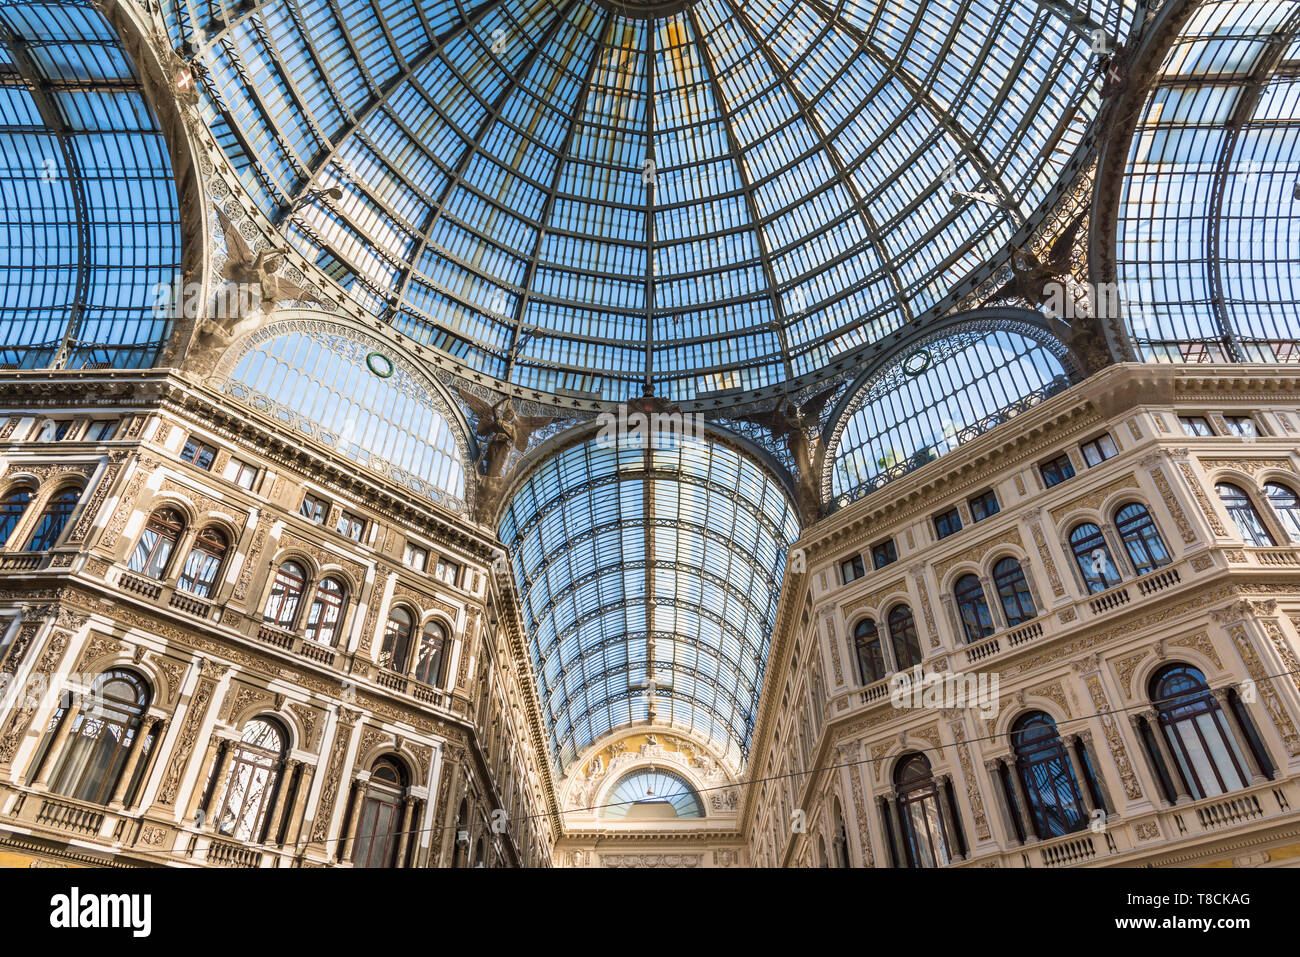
90	226
712	195
649	565
1208	243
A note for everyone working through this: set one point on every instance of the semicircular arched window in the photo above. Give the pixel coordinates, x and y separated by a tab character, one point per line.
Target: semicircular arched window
1092	555
652	794
11	511
251	784
331	386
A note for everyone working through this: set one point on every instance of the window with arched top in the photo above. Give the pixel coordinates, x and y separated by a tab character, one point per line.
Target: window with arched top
253	781
1241	510
926	841
325	615
1142	541
1092	555
903	637
53	520
1286	505
153	551
645	794
286	595
380	819
869	651
430	654
394	652
1056	805
12	508
1206	755
972	608
203	564
105	725
1013	592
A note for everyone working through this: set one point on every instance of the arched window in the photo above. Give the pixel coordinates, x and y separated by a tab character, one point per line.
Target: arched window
1055	801
870	653
102	734
203	563
381	816
251	785
154	550
1092	555
1285	503
903	637
1013	592
651	794
326	612
918	804
49	528
286	595
1242	512
1146	549
972	608
396	648
1196	729
11	511
428	658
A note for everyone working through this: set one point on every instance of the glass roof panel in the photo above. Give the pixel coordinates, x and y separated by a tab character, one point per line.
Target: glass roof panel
662	565
705	197
638	791
91	237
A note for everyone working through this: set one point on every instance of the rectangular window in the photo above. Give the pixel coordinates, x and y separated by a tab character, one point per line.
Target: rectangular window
982	506
416	557
447	571
947	523
100	430
852	569
884	553
1057	470
198	453
314	509
351	525
1241	425
1195	425
241	473
61	429
1098	450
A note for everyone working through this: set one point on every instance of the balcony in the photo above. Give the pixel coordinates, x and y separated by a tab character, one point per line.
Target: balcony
228	854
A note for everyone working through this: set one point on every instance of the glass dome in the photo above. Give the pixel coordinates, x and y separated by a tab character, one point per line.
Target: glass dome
594	196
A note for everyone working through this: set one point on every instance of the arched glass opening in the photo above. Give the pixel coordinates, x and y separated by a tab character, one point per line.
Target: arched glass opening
93	225
972	609
1092	555
380	820
1196	730
1146	549
199	574
1286	505
651	794
870	652
903	637
1241	510
1055	802
429	656
154	549
54	518
11	511
1013	592
396	647
286	595
102	735
326	612
944	392
255	768
924	835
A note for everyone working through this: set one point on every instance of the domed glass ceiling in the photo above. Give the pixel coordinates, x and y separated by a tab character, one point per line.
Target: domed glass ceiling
700	196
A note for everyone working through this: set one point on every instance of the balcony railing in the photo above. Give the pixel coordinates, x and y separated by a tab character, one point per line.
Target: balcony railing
226	854
69	817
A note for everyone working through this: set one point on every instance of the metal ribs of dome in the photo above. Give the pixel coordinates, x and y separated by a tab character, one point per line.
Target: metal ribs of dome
702	200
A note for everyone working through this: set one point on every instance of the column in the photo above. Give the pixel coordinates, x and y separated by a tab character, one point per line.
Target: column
1022	802
995	604
1162	745
220	779
895	810
1084	738
206	772
132	760
1239	735
1001	798
945	812
288	779
404	830
1080	778
56	746
355	792
294	833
